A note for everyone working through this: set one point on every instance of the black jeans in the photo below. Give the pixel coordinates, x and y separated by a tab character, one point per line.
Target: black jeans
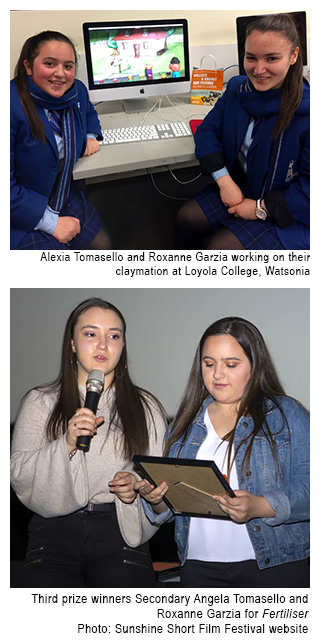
196	573
84	549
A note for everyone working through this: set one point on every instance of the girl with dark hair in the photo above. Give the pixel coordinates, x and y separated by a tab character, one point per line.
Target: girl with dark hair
234	411
81	533
255	144
52	125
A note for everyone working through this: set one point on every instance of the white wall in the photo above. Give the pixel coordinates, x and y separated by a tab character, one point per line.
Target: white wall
164	328
213	27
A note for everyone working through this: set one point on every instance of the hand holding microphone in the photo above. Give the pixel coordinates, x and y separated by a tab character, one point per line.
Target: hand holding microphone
94	386
84	419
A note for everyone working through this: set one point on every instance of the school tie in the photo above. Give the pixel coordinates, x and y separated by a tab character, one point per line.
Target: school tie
56	121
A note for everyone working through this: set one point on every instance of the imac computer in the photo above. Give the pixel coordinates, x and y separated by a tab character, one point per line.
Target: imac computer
300	19
130	60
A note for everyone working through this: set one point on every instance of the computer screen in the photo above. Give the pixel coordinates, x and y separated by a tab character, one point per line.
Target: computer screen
136	59
300	18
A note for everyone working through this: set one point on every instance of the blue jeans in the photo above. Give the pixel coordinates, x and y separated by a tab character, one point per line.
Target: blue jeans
84	549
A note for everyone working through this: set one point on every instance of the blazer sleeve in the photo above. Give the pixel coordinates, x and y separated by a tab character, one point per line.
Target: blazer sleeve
26	205
92	122
293	203
209	136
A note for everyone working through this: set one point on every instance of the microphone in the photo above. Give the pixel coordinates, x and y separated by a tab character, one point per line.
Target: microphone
94	386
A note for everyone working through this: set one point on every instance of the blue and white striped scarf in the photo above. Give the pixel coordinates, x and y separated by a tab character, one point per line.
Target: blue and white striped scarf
65	108
263	104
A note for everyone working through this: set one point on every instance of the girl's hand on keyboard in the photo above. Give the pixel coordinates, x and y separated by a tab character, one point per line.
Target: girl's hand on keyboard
92	146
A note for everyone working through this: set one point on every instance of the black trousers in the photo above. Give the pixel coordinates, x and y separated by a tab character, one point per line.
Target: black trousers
84	549
196	573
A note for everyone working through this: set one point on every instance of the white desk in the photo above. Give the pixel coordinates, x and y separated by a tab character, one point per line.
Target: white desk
120	160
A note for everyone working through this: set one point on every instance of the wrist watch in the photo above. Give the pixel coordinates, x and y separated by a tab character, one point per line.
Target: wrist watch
261	212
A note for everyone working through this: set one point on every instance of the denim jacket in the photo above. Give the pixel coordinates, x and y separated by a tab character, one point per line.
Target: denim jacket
284	537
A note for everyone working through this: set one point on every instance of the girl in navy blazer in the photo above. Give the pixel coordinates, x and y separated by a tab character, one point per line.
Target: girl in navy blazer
53	123
255	144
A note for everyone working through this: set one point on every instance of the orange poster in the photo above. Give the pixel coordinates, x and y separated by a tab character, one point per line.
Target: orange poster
207	79
206	86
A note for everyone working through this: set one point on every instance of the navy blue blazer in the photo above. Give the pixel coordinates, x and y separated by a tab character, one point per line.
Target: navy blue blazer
219	139
34	166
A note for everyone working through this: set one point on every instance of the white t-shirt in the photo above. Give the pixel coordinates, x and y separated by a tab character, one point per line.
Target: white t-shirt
210	539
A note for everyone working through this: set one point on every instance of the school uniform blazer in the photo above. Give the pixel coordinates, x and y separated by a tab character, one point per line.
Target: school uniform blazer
34	166
219	139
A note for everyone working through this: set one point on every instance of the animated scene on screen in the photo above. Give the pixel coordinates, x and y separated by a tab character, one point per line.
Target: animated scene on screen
136	54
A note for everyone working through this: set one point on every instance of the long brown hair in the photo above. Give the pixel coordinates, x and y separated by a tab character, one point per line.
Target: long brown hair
264	384
131	403
29	52
292	88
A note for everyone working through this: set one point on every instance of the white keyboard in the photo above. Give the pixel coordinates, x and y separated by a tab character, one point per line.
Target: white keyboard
143	133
